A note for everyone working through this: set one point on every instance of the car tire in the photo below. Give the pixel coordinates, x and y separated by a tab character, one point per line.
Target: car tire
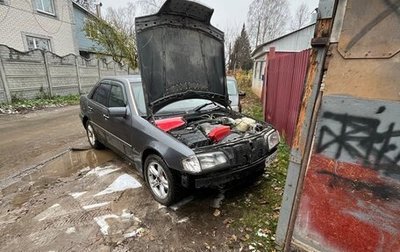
92	138
161	181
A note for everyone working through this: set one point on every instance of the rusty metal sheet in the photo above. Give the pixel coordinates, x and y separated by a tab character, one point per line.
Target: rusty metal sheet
371	29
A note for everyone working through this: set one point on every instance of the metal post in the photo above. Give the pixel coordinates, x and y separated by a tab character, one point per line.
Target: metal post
98	68
4	80
48	76
78	75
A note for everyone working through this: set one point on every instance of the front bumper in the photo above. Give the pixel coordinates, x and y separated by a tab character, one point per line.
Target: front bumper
227	175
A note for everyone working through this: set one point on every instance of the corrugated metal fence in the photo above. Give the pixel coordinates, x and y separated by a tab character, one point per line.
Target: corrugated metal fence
284	89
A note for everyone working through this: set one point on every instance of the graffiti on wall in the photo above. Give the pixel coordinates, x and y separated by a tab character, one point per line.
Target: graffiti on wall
351	194
362	140
370	136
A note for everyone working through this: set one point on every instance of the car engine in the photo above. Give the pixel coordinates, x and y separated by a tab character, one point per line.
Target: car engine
204	130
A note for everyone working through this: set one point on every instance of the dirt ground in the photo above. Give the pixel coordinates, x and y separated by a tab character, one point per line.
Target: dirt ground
57	199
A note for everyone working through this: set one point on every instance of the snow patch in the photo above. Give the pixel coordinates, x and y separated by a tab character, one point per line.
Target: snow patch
88	207
134	233
77	194
102	171
122	183
53	211
70	230
101	221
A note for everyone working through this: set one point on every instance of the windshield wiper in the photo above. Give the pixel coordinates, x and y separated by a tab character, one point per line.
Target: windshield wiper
198	108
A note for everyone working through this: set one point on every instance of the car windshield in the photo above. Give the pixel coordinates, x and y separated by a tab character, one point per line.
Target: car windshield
175	107
139	97
186	106
232	90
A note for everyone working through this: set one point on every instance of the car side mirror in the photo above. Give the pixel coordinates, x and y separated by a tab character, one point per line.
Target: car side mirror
117	111
242	94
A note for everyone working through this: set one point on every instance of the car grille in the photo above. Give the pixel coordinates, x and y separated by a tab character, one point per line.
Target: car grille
246	152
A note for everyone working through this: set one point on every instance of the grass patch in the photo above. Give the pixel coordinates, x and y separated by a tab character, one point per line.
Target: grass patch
251	104
259	210
24	105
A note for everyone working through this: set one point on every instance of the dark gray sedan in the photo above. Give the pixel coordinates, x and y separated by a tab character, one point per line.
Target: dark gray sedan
174	122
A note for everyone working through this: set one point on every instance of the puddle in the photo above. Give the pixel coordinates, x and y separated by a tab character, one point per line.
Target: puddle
55	171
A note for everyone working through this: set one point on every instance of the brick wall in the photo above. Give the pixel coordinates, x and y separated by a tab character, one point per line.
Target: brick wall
28	74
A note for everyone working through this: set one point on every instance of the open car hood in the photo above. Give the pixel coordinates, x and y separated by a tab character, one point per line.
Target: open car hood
181	55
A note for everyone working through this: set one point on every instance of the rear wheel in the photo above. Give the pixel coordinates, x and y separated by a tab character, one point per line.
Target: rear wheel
161	181
96	144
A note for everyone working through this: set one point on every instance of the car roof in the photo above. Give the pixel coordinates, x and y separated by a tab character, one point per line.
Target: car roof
129	78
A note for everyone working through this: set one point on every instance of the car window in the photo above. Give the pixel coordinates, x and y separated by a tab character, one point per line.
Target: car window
232	89
138	95
116	97
100	95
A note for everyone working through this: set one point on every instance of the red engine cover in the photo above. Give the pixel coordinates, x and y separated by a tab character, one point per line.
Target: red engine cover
218	133
170	123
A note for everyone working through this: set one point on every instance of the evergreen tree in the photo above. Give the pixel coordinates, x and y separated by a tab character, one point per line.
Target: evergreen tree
240	55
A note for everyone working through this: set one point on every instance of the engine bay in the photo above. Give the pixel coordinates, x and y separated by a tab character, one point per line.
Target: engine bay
202	130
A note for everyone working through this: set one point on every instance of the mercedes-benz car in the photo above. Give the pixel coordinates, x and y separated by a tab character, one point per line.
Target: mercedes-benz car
174	121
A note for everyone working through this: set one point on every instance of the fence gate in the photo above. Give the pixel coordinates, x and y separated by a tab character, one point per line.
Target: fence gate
284	88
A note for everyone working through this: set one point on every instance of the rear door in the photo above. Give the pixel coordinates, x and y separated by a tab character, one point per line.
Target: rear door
98	110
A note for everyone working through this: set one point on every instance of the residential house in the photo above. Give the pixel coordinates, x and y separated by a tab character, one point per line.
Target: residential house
292	42
87	48
38	24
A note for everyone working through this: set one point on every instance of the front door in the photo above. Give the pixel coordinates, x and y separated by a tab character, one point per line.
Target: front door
119	128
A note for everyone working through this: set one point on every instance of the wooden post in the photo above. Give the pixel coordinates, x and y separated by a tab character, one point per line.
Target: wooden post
115	70
4	81
78	75
48	76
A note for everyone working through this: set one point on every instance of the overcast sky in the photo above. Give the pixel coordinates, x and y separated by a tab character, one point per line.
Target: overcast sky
226	12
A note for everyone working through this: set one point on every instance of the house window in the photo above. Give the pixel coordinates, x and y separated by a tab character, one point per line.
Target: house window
46	6
262	65
38	43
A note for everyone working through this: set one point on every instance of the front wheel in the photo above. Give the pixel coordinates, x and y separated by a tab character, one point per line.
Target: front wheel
160	180
96	144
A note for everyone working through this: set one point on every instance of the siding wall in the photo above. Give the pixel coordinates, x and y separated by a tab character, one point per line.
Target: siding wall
294	42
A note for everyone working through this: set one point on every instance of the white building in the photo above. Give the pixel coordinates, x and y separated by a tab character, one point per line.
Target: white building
292	42
43	24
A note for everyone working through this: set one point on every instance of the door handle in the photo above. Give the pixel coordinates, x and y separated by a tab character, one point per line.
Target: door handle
106	116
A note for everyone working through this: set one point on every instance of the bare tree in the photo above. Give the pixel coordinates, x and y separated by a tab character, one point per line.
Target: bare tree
122	18
231	32
116	34
267	19
301	18
147	7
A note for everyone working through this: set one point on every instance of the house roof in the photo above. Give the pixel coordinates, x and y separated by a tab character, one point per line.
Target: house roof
82	8
260	47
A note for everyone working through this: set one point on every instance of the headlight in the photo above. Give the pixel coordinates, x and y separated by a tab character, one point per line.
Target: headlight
210	160
273	139
204	161
191	164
